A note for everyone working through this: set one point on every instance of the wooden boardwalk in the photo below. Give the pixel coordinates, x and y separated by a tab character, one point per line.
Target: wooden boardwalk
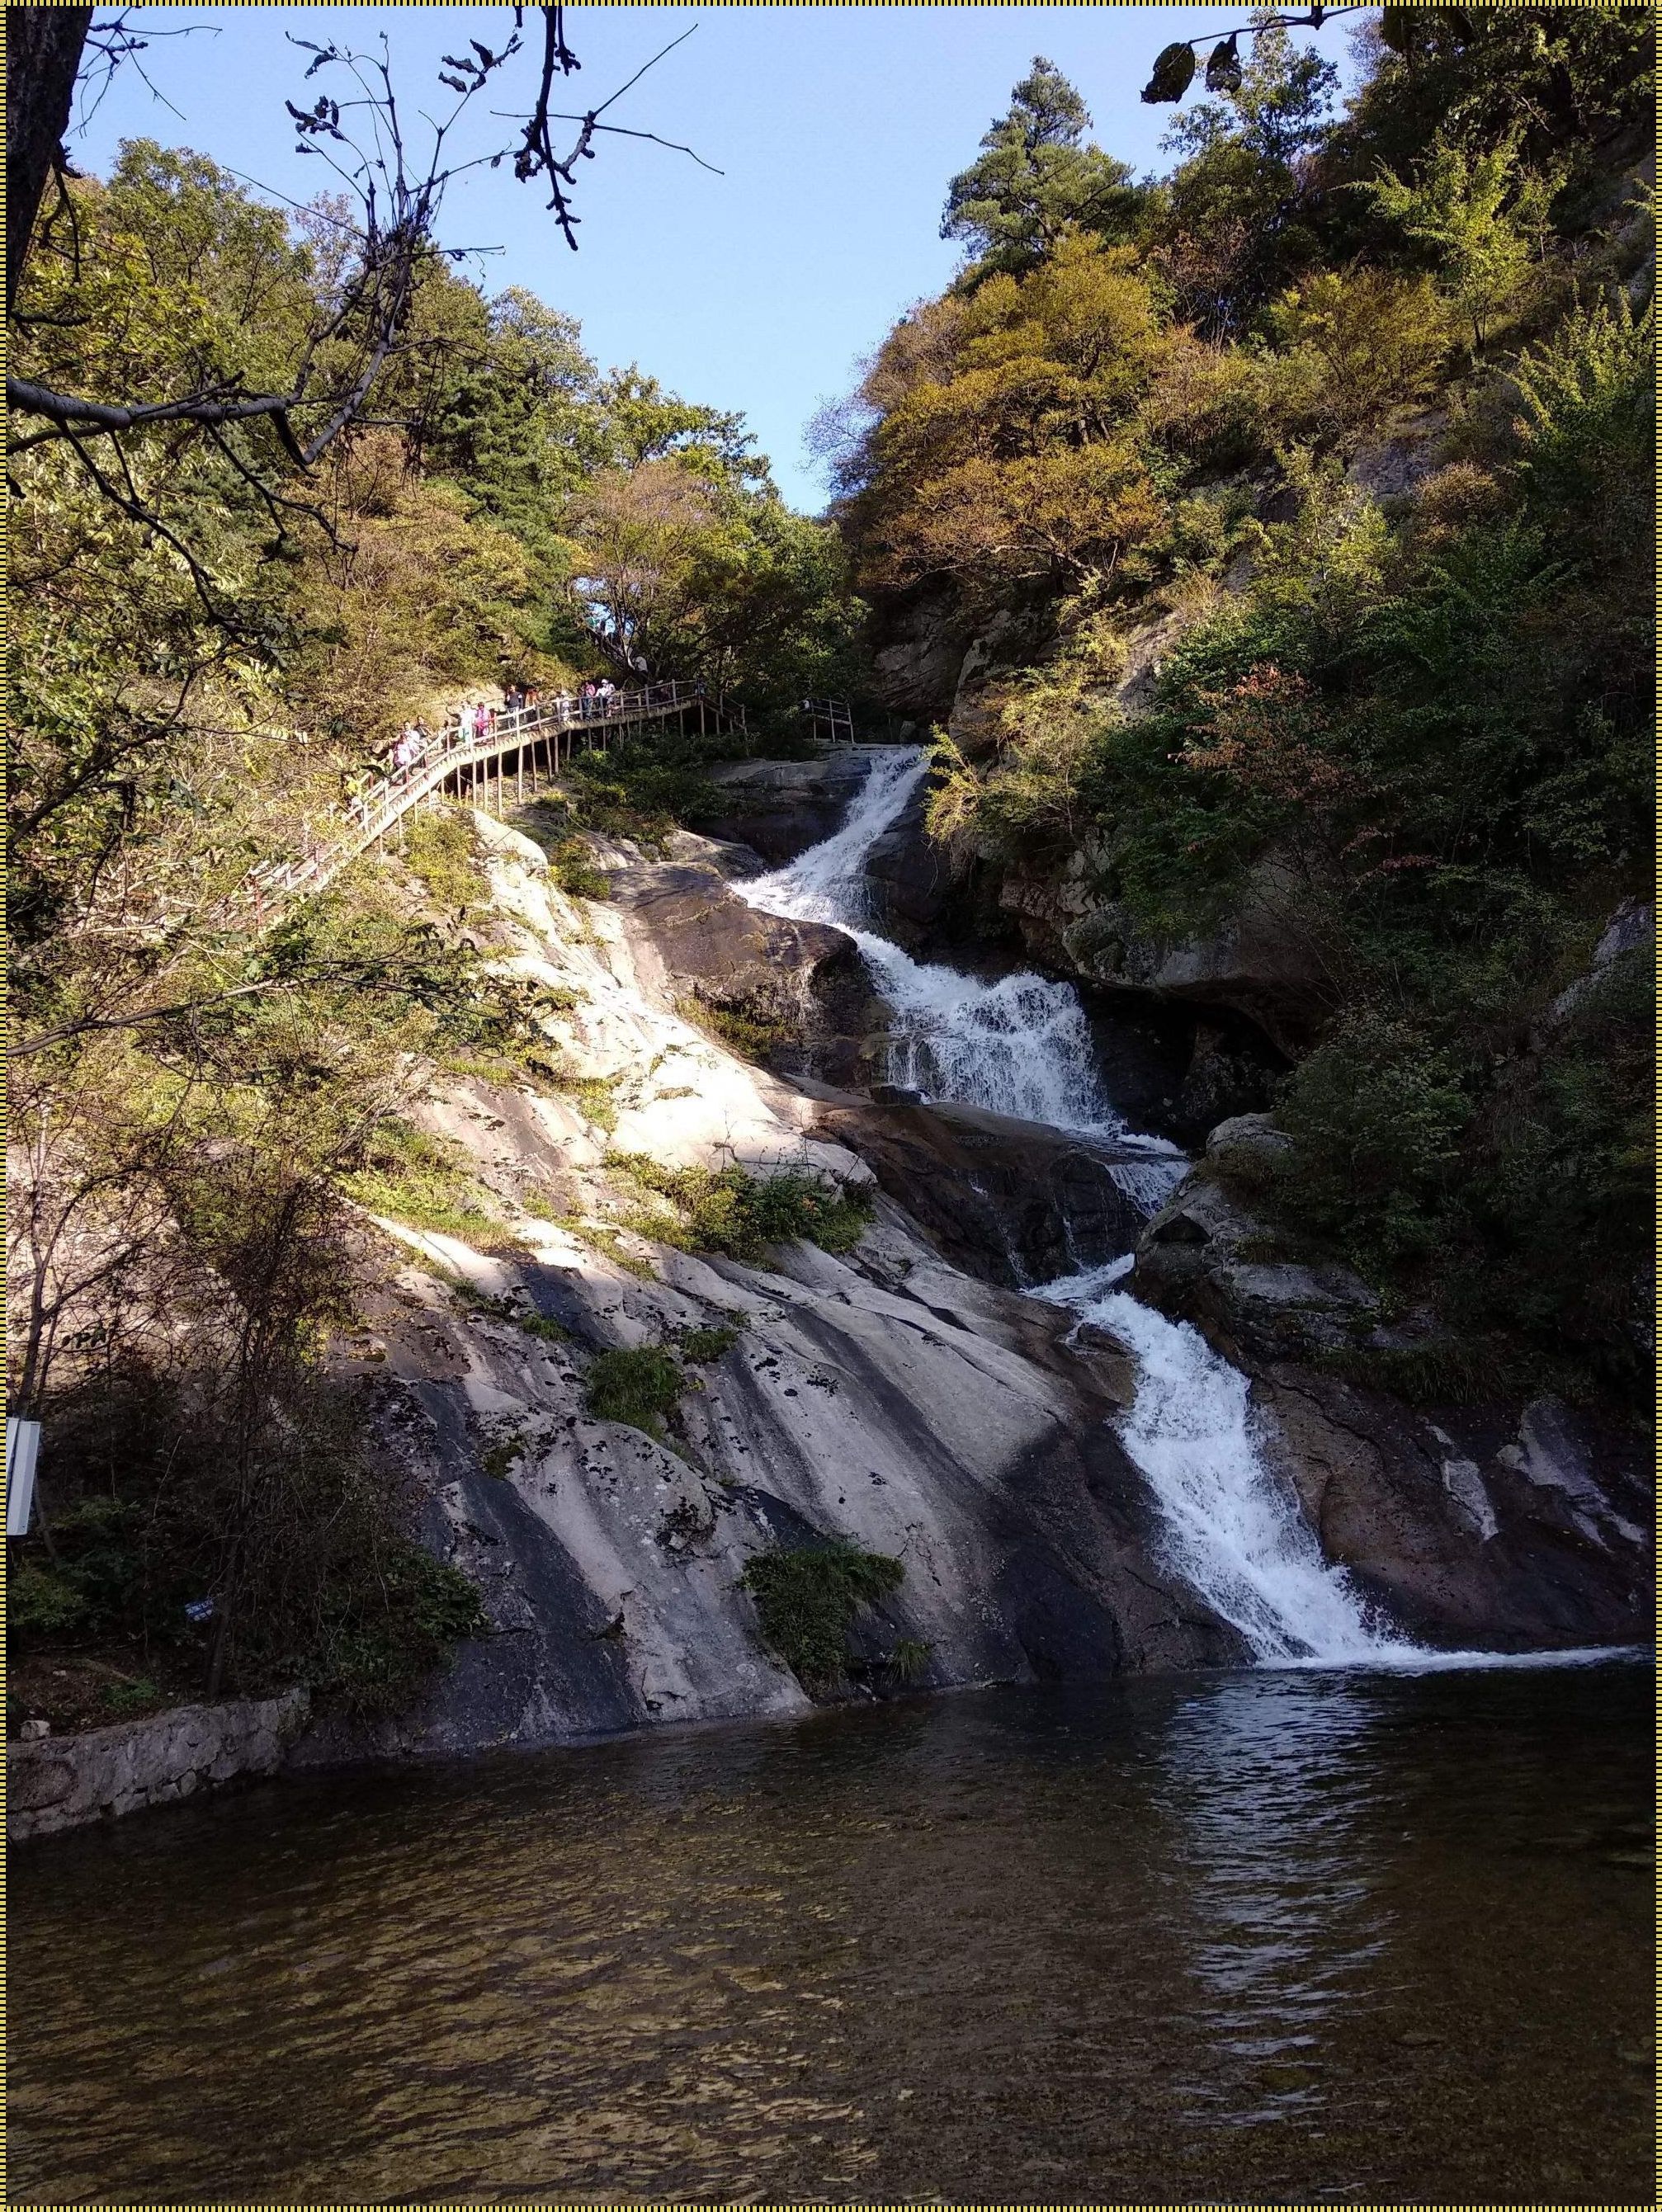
519	743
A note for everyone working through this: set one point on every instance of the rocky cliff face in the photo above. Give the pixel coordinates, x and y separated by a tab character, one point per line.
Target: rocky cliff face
902	1396
779	808
1258	963
885	1397
1506	1520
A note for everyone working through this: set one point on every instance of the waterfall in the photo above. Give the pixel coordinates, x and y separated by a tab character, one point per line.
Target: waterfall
1232	1531
1022	1045
1019	1045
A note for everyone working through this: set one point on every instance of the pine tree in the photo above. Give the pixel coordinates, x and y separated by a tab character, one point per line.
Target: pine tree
1036	176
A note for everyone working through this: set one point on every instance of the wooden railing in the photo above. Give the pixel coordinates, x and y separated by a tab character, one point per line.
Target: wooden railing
831	720
540	740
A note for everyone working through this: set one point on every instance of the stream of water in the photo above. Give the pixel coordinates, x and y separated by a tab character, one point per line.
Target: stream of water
1017	1044
1256	1937
1022	1045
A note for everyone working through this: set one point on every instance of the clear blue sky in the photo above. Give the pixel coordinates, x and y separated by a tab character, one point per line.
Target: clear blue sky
837	128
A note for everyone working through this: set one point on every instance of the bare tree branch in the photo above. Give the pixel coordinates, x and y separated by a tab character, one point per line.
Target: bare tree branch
363	140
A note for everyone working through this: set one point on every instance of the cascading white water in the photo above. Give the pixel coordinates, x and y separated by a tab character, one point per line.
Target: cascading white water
1232	1531
1022	1046
1019	1045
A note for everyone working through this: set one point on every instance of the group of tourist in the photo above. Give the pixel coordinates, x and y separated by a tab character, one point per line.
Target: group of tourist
475	725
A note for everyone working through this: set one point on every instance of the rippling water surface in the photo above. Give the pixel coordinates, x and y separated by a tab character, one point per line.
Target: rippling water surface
1258	1936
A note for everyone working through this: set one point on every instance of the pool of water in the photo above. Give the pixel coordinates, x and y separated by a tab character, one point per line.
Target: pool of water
1271	1937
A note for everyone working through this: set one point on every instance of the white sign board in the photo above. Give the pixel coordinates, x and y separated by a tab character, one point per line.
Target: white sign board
22	1448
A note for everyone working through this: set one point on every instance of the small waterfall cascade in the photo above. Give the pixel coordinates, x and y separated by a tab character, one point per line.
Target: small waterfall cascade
1019	1045
1234	1531
1022	1045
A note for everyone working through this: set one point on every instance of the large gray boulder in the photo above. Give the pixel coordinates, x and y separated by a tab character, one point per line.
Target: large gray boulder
779	808
1472	1525
917	664
1259	961
1210	1257
801	985
1013	1201
883	1398
909	882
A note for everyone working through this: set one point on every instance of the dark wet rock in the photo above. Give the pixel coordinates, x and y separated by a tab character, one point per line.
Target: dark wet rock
1258	963
801	985
1487	1526
1207	1257
1495	1525
1230	1072
1015	1201
909	882
779	808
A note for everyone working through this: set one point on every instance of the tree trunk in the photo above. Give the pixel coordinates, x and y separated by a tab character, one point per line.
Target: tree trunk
42	52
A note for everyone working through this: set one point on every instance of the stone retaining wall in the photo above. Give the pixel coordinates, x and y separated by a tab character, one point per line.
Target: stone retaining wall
63	1782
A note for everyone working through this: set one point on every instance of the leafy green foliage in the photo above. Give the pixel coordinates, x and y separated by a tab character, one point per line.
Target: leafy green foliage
743	1215
572	863
1374	341
1376	1115
41	1599
441	852
424	1182
384	1643
542	1325
285	1524
1474	216
132	1696
705	1345
1408	729
908	1658
807	1599
742	1033
1237	219
641	1387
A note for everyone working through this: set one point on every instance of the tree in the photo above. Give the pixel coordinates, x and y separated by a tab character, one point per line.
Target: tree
680	565
363	324
44	46
1379	341
1476	218
1004	446
515	420
1035	178
1233	224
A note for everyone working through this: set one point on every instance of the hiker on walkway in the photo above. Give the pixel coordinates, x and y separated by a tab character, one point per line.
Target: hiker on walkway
605	693
587	697
483	719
